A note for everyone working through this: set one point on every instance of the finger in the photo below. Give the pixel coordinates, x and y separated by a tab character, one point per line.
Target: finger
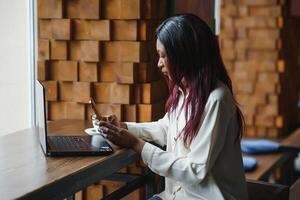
111	138
108	131
108	125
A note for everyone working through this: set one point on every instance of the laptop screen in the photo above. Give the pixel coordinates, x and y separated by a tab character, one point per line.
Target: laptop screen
41	115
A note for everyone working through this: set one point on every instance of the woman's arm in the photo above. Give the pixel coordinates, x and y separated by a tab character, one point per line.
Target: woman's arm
204	149
151	131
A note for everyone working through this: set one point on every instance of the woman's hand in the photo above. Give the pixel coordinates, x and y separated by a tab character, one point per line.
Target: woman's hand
113	119
121	136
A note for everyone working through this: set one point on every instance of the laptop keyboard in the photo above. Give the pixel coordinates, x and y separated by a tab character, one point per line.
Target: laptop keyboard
68	143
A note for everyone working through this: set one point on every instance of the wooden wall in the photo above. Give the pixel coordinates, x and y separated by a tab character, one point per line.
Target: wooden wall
105	49
255	41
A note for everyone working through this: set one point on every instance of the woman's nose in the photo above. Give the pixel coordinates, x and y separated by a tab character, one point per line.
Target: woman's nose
159	64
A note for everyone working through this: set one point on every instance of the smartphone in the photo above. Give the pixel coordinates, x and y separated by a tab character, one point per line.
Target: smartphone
92	102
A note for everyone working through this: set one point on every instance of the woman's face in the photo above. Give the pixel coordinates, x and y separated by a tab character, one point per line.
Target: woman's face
163	63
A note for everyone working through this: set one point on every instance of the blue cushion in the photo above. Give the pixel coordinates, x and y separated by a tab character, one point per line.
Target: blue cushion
250	163
259	146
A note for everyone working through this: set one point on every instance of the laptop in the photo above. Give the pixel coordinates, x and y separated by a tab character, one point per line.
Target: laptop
84	145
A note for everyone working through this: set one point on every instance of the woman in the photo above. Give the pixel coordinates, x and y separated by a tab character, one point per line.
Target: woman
203	124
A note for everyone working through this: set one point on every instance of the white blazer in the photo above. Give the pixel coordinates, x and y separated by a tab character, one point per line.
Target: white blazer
211	168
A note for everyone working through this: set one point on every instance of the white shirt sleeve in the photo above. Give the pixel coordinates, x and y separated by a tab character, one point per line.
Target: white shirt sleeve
151	131
204	150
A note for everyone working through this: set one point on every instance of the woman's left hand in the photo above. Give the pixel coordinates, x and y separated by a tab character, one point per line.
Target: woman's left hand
121	136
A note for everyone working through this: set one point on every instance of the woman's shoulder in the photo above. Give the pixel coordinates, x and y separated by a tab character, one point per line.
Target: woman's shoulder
221	93
222	96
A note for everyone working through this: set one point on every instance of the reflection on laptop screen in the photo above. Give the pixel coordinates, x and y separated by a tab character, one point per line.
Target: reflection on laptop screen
40	114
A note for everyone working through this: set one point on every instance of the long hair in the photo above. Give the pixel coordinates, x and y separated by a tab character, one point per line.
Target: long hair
194	55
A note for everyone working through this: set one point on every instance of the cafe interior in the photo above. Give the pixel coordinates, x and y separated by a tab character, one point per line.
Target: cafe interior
106	50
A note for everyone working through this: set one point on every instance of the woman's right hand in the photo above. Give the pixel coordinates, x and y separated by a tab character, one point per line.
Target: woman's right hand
113	119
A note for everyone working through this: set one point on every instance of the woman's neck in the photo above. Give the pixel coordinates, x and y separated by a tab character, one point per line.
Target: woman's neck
186	87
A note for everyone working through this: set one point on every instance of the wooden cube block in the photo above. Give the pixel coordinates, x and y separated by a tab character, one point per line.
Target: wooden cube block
100	30
90	9
43	49
65	91
125	30
265	87
111	51
272	99
279	121
113	93
102	92
94	192
74	110
265	11
88	71
264	33
79	195
256	22
107	71
92	30
45	29
84	9
250	132
138	193
90	51
111	9
50	9
59	50
81	92
153	92
50	90
75	50
72	8
130	113
134	51
122	9
150	112
249	119
64	70
273	132
42	70
56	110
127	73
85	51
270	109
261	131
245	87
272	77
61	29
110	186
121	93
80	29
130	9
125	51
262	44
66	110
264	120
